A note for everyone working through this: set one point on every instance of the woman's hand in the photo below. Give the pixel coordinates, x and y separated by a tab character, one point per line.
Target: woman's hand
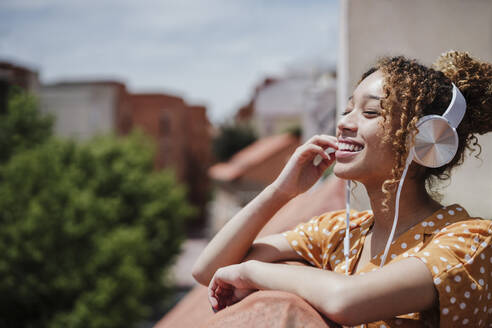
299	174
229	286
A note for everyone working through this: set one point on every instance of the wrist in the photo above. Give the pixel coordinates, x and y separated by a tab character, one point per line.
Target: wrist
247	271
279	194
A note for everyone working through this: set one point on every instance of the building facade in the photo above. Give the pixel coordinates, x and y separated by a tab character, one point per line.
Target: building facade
305	101
84	109
420	29
12	75
181	132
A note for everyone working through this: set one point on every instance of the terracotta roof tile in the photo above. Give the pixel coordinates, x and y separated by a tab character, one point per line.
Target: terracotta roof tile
251	156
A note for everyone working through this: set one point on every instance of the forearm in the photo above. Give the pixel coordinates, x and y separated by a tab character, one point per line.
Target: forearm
321	288
232	242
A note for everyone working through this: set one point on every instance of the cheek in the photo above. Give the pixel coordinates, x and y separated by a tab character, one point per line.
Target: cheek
380	151
374	136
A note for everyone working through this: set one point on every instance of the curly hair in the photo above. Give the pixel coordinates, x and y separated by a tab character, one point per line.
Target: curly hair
412	90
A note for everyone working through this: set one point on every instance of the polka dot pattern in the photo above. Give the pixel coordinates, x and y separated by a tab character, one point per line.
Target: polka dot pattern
318	239
458	263
456	249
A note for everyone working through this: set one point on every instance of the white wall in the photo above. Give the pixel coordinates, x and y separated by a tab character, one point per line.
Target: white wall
81	110
421	29
319	114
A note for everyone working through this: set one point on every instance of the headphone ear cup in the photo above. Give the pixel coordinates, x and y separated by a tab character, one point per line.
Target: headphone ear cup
436	142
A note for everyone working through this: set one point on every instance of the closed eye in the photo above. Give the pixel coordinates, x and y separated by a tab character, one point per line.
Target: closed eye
371	113
347	111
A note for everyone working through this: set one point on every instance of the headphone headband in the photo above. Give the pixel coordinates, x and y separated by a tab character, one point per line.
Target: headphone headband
456	109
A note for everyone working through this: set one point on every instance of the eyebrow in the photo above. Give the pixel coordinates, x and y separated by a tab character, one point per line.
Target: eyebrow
367	96
372	97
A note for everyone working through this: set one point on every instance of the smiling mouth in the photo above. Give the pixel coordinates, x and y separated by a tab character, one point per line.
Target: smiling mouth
349	147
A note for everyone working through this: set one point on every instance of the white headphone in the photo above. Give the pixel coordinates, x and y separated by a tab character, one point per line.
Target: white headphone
435	145
436	142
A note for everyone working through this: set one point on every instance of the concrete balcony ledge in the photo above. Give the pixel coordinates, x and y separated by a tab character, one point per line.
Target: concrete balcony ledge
268	309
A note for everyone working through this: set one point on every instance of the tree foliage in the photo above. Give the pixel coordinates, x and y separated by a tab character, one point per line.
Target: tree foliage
86	232
22	126
231	139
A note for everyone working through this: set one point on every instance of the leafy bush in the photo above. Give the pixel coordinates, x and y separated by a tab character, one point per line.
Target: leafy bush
86	232
22	126
231	139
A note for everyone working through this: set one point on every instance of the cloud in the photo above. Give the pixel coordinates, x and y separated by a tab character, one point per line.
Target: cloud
211	51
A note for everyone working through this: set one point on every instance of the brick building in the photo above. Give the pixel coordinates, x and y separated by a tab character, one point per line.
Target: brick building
182	132
183	138
16	75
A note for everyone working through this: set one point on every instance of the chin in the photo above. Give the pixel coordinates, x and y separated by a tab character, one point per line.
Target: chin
343	171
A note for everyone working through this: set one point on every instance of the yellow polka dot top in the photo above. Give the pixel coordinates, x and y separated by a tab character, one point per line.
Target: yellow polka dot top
455	247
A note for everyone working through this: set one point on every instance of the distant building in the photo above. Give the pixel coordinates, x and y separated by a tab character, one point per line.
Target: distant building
84	109
183	137
16	75
182	133
319	114
305	101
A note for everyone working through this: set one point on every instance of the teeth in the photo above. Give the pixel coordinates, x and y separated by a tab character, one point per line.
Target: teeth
349	147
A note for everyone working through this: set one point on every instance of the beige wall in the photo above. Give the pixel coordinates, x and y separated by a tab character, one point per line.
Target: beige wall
81	110
421	29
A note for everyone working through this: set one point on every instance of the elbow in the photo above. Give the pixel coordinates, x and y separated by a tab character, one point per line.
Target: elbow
339	308
200	274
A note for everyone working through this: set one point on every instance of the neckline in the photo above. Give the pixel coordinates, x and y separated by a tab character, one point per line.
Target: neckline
431	224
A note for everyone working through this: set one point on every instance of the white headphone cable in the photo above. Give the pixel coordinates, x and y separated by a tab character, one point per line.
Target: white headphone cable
346	240
397	207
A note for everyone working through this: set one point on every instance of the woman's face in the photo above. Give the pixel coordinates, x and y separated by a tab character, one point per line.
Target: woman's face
361	155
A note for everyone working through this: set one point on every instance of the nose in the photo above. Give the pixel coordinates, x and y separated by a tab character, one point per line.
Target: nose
347	125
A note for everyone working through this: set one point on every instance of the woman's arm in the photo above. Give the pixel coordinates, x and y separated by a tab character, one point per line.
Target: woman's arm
403	287
234	240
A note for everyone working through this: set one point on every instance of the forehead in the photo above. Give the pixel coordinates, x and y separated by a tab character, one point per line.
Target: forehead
370	87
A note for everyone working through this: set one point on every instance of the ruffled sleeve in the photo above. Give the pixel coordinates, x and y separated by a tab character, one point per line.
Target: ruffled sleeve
311	239
459	257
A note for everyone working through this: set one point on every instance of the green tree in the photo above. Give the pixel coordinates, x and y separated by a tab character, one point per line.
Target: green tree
22	126
86	232
231	139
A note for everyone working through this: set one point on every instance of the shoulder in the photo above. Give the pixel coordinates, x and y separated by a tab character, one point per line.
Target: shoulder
460	243
459	236
469	232
457	256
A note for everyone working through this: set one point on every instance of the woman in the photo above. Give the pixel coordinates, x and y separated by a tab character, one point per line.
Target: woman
438	268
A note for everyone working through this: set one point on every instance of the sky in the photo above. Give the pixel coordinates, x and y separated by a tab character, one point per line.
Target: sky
210	52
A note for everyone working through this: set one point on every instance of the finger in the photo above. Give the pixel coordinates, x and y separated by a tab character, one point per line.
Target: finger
212	293
213	301
212	298
324	141
222	303
324	165
212	286
310	151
